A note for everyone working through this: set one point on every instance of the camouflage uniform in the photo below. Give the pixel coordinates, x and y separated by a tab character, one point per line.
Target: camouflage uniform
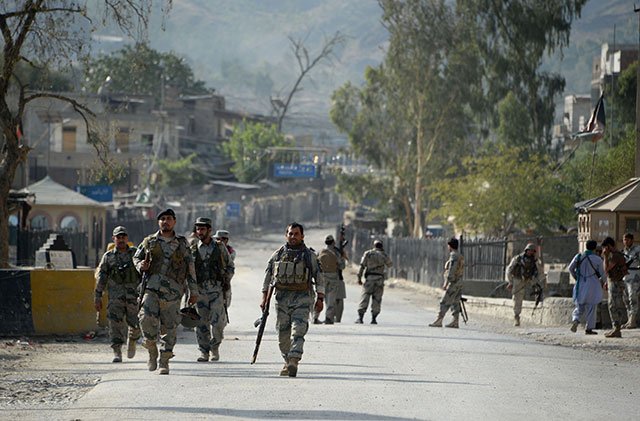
632	283
213	274
331	262
522	273
453	271
291	269
617	289
118	275
171	273
373	264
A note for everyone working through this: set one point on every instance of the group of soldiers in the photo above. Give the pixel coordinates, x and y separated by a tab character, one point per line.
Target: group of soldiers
146	285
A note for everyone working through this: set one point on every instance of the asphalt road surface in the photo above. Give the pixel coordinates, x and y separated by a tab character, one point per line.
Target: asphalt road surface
399	369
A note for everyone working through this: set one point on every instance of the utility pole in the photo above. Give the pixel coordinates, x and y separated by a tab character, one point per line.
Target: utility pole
637	160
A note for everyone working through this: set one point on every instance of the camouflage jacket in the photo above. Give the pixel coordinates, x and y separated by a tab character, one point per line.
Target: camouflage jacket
213	265
374	263
301	257
117	274
454	267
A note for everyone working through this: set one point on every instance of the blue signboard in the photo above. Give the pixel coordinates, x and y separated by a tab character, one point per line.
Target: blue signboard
97	193
233	210
294	170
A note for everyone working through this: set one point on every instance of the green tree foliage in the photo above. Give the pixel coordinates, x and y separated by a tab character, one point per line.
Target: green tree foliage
503	191
514	128
360	189
179	173
140	69
248	150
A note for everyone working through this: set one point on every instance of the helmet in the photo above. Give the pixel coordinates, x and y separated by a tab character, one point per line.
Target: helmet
530	246
190	317
377	244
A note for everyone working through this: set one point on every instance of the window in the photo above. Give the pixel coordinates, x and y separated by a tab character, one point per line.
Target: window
632	225
39	223
68	139
69	223
122	140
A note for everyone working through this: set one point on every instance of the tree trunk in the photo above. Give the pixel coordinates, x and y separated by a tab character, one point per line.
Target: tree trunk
417	203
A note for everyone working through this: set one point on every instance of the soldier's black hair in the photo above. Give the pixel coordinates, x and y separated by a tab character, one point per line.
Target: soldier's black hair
295	225
591	245
608	242
628	235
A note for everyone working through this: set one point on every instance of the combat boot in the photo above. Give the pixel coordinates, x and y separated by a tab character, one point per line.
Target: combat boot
131	348
285	369
373	319
615	333
215	354
165	356
204	357
328	321
574	326
437	322
317	321
516	320
454	322
631	324
359	319
151	346
117	354
292	366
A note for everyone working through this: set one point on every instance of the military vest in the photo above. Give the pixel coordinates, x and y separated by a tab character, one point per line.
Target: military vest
525	267
211	269
328	261
291	269
123	272
375	263
457	275
617	272
175	268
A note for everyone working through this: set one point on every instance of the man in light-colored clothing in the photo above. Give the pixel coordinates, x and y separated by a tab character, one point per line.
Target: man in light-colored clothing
331	262
631	280
587	269
373	264
453	271
522	273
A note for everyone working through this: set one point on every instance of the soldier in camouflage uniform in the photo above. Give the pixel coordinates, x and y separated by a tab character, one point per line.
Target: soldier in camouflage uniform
616	267
213	273
522	273
453	271
632	280
223	236
169	272
291	269
118	275
332	262
373	265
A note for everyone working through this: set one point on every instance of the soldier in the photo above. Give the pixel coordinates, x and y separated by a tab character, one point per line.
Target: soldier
373	265
453	271
291	269
167	261
615	265
223	236
632	280
332	262
213	273
522	273
117	273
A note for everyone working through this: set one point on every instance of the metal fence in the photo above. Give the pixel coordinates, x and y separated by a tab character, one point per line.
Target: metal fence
28	242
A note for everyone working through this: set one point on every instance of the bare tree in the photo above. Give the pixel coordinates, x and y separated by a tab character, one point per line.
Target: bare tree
49	34
306	63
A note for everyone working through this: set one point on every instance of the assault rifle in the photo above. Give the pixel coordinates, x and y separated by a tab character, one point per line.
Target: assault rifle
538	293
261	323
341	245
145	279
463	310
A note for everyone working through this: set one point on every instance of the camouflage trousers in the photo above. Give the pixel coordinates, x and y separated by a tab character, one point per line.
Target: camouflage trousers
373	288
518	290
159	319
632	283
213	319
451	299
617	307
122	314
330	289
341	294
292	321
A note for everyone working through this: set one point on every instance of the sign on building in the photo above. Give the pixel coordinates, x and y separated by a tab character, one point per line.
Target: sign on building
97	193
233	210
294	170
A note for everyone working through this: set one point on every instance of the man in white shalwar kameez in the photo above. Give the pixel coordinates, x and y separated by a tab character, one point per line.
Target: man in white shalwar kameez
587	269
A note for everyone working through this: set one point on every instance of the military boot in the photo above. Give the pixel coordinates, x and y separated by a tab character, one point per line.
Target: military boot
437	322
215	353
151	346
516	320
165	356
292	366
454	322
373	319
615	333
359	319
204	357
285	369
117	354
131	348
631	324
574	326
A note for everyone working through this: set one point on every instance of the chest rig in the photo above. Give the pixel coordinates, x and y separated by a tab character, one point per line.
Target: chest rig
211	268
526	267
173	265
292	269
123	272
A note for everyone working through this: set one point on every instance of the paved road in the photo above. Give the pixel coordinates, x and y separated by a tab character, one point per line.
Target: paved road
397	370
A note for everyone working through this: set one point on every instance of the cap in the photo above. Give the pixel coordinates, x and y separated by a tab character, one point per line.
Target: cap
530	246
329	239
119	230
167	212
222	234
203	221
189	317
377	243
453	242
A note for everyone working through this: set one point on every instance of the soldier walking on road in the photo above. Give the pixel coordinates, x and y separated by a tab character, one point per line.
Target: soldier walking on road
223	236
117	274
170	272
616	267
291	269
453	271
522	273
332	262
213	274
373	264
632	280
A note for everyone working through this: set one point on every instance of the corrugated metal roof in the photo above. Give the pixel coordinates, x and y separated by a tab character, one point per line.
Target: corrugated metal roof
48	192
624	198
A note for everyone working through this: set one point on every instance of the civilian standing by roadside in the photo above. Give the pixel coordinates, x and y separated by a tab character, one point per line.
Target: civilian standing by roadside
587	269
